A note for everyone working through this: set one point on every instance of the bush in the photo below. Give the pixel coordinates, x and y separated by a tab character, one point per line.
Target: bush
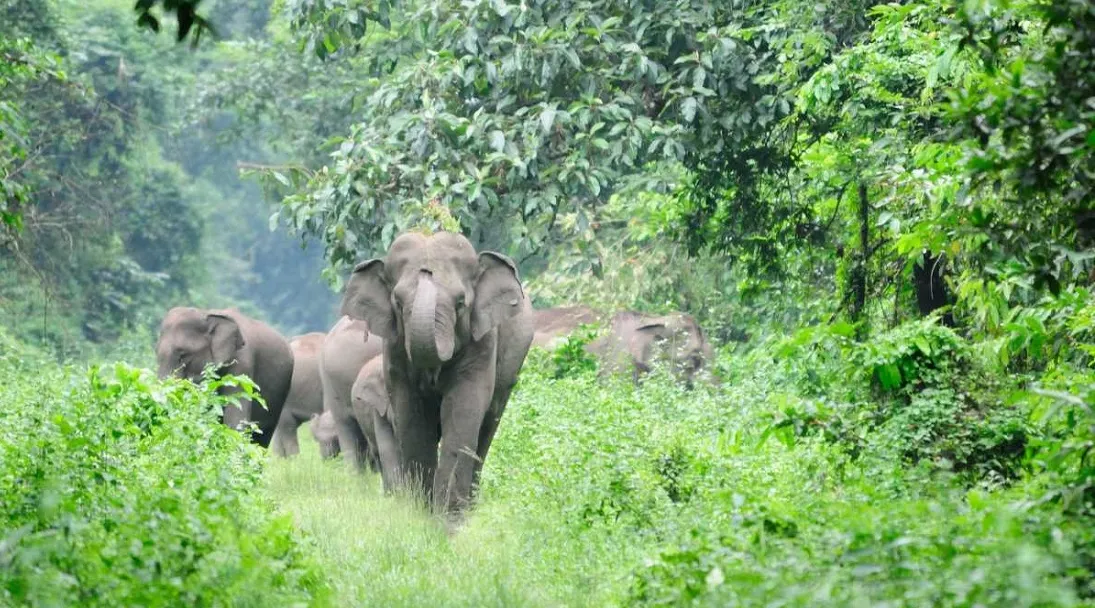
915	392
665	497
122	490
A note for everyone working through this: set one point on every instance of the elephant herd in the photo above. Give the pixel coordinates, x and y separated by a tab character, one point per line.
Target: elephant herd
413	379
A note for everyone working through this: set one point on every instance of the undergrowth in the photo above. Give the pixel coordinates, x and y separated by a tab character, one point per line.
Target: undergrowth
119	490
900	471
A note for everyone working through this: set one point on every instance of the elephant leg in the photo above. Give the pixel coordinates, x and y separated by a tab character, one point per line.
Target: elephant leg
487	431
387	451
416	426
351	441
417	439
285	435
463	410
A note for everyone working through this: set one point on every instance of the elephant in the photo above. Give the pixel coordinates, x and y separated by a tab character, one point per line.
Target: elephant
191	338
635	340
347	347
325	433
305	393
372	409
552	325
457	327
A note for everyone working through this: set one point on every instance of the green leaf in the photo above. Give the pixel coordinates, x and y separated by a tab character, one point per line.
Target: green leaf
922	344
497	140
688	109
547	118
888	376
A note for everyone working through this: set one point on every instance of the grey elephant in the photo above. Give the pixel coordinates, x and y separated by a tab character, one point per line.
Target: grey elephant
635	341
305	397
553	325
347	347
457	327
373	412
191	338
325	433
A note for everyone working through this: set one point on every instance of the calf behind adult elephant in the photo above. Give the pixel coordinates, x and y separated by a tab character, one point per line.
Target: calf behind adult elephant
635	341
553	324
456	326
373	412
305	397
191	338
347	347
325	433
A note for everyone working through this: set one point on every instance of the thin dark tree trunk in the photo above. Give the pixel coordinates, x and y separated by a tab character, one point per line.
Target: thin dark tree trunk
931	289
859	276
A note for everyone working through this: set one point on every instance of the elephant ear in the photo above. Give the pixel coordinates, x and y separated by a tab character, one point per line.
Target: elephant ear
498	293
225	337
646	335
369	298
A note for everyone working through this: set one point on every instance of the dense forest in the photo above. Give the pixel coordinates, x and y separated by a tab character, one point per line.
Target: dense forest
881	214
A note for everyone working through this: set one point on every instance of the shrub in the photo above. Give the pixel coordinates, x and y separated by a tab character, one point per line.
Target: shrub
122	490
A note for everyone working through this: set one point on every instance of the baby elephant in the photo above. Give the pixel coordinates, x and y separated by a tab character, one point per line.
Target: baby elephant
373	412
325	433
305	393
191	338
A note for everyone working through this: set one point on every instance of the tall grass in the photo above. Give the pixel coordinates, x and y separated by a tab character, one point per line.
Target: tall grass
118	489
598	494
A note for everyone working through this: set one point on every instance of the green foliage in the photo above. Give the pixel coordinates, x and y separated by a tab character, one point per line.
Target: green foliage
1031	117
534	112
125	212
119	489
608	495
22	66
571	357
915	392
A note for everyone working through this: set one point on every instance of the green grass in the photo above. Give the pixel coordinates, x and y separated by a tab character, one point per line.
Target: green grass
601	495
595	494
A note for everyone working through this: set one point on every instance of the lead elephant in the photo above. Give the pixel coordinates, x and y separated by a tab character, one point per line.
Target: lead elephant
347	347
191	338
373	412
305	397
552	325
456	328
635	341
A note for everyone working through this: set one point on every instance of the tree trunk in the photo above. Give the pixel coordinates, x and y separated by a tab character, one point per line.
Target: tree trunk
859	275
931	290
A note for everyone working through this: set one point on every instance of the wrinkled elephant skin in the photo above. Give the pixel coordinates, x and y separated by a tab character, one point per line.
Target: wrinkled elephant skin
191	338
553	325
372	409
347	347
635	341
325	433
456	327
305	393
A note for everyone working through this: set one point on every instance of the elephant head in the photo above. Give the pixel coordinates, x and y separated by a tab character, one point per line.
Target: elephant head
433	294
323	430
191	338
676	336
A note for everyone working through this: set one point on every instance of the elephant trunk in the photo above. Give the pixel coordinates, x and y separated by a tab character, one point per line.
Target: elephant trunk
423	346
